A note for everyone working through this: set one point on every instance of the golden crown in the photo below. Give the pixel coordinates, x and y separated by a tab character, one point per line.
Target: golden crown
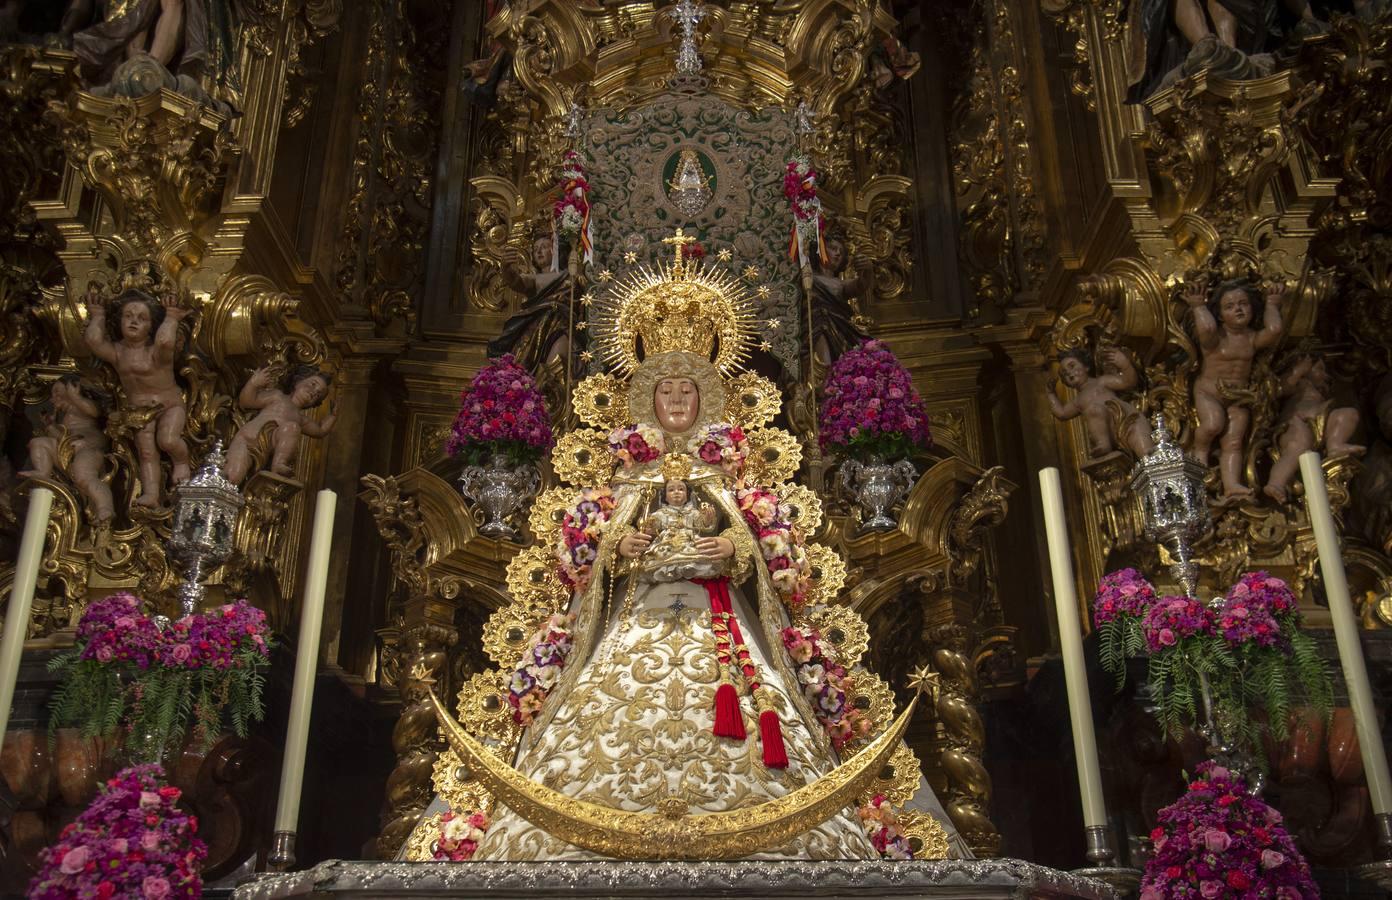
682	306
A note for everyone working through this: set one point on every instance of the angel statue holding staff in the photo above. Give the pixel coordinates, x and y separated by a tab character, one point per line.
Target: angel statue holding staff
665	711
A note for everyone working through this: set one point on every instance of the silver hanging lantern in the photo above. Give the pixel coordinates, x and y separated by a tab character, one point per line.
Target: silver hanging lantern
205	520
1173	500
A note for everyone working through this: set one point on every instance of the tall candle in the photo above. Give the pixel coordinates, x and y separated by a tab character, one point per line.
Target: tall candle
306	663
26	576
1346	633
1071	644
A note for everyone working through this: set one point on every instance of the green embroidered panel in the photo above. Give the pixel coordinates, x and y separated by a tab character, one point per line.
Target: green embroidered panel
716	170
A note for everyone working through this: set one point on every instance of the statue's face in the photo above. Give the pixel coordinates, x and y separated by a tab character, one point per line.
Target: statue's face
677	402
1319	376
541	253
676	493
135	322
1235	308
1073	372
309	391
836	255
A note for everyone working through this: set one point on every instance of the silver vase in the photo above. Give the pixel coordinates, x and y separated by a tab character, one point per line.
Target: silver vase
500	489
876	487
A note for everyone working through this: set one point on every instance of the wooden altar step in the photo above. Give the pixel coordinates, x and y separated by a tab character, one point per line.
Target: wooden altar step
851	880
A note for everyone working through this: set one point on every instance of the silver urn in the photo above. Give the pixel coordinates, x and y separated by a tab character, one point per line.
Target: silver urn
205	523
500	489
876	487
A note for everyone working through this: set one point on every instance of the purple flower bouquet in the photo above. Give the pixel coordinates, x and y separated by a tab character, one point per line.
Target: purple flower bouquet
133	841
1217	842
125	668
501	412
870	407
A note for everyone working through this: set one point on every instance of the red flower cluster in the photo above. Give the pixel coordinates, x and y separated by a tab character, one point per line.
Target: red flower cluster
231	636
131	842
880	821
870	406
723	445
501	411
1217	842
633	445
115	630
459	836
1122	593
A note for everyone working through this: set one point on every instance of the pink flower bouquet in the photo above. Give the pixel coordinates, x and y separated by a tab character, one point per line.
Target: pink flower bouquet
780	544
578	546
131	842
882	824
126	668
501	412
870	407
1218	842
459	836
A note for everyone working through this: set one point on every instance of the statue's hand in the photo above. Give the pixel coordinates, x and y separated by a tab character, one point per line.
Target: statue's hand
715	547
631	546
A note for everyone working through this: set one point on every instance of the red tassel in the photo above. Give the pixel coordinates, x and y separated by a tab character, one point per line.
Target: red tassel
771	734
728	721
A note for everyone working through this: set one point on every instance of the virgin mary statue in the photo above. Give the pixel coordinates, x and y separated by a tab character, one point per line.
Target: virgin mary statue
676	681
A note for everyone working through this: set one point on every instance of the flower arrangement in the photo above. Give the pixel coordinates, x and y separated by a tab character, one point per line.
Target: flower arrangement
460	836
132	841
1219	842
578	545
883	827
870	407
572	209
501	412
780	544
825	685
124	666
635	444
723	445
809	226
1248	646
539	668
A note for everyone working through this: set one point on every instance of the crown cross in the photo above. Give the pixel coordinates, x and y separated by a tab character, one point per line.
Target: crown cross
679	242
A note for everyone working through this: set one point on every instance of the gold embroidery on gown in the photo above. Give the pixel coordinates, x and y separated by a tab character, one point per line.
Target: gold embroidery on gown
635	729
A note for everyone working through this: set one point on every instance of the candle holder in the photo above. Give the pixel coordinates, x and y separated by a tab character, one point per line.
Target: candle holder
1380	872
1102	857
1171	487
282	851
205	519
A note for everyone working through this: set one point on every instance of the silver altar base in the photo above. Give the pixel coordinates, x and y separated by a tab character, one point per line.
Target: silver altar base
1003	878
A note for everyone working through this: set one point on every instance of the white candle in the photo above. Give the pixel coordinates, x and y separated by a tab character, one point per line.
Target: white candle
26	576
1346	633
306	663
1071	644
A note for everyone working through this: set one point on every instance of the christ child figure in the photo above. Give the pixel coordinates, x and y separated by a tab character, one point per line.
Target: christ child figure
139	339
284	406
77	412
1307	414
1228	345
1104	413
677	528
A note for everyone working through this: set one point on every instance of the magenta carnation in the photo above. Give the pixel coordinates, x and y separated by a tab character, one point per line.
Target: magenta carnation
501	411
1172	619
132	841
870	406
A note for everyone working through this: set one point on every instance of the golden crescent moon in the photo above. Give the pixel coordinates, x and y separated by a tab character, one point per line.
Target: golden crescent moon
624	834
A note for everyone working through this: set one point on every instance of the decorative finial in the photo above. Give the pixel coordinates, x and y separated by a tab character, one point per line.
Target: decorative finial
688	15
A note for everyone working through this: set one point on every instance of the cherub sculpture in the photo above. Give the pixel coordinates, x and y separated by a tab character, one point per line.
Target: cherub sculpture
139	340
1228	345
1105	414
285	407
1305	418
76	414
